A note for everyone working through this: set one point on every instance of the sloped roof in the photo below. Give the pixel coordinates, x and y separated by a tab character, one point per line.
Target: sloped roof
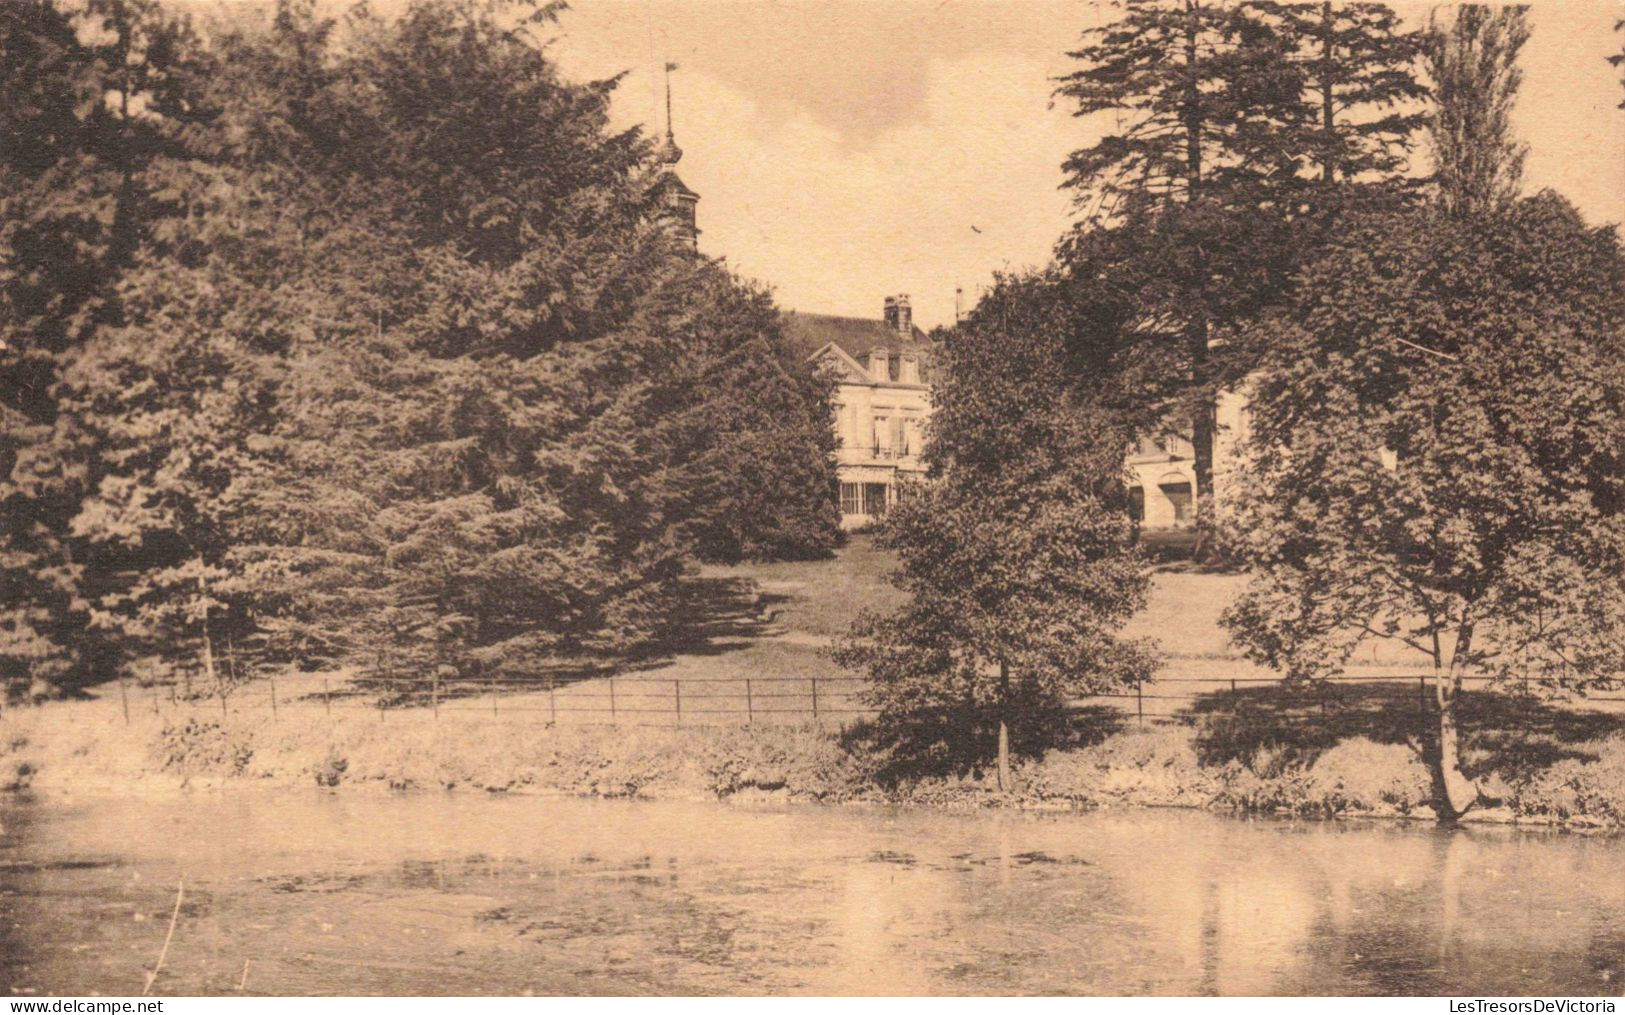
670	179
854	335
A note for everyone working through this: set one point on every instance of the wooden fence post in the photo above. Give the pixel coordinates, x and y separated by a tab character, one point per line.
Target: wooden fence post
612	698
1235	699
491	687
1139	702
124	698
272	682
815	698
552	704
750	709
677	694
327	698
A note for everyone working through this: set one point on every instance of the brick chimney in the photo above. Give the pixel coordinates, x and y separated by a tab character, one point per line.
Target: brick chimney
890	313
905	314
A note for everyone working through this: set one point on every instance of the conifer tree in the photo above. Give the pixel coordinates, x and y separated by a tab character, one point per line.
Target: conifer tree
517	405
1240	131
748	427
1357	65
98	100
1182	186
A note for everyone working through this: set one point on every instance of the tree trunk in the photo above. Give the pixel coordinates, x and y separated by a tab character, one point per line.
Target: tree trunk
1203	428
1004	728
1460	793
1328	113
1196	336
208	643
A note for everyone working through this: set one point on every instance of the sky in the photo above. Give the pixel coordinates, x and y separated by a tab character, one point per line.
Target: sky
845	150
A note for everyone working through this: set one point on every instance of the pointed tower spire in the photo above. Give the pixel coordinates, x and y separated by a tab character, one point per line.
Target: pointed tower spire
669	68
680	201
670	154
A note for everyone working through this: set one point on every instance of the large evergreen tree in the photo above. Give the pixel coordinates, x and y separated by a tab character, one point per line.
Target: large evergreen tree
1241	131
748	424
469	469
1358	113
381	362
101	103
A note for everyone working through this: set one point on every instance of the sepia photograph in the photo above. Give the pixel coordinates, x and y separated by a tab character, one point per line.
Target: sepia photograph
812	498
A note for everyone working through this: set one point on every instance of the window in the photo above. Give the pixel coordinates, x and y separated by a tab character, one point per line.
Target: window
883	435
874	499
864	499
1180	501
913	443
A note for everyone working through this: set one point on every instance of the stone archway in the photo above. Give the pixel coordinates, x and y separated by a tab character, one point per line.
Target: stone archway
1174	503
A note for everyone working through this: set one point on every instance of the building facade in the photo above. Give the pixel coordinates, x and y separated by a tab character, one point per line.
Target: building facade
882	400
1162	486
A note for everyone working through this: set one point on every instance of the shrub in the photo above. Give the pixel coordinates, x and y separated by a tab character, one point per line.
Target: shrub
1573	787
1359	774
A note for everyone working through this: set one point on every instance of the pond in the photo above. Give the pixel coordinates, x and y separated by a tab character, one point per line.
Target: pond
356	893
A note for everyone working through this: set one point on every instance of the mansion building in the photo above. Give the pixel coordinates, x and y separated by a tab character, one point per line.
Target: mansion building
882	399
884	368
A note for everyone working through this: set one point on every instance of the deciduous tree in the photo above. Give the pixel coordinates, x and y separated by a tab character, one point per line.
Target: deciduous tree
1472	59
1438	456
1017	557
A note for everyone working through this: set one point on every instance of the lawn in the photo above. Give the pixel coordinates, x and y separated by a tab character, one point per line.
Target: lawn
754	645
823	597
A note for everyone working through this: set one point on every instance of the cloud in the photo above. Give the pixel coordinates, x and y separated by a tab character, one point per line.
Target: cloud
843	151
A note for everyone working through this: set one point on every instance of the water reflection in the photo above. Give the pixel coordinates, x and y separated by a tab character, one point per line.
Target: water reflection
351	893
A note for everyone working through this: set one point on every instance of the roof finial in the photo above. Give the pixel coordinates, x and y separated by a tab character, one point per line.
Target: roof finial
669	152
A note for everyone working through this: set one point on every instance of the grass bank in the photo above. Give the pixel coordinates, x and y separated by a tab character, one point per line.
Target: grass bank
1211	764
1262	748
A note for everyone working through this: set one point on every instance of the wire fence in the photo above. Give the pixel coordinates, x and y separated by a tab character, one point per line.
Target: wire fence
1191	698
619	699
678	701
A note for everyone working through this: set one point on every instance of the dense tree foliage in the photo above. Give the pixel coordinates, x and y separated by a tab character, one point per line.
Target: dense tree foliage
101	110
394	358
1241	132
1017	557
1438	456
1472	59
750	431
